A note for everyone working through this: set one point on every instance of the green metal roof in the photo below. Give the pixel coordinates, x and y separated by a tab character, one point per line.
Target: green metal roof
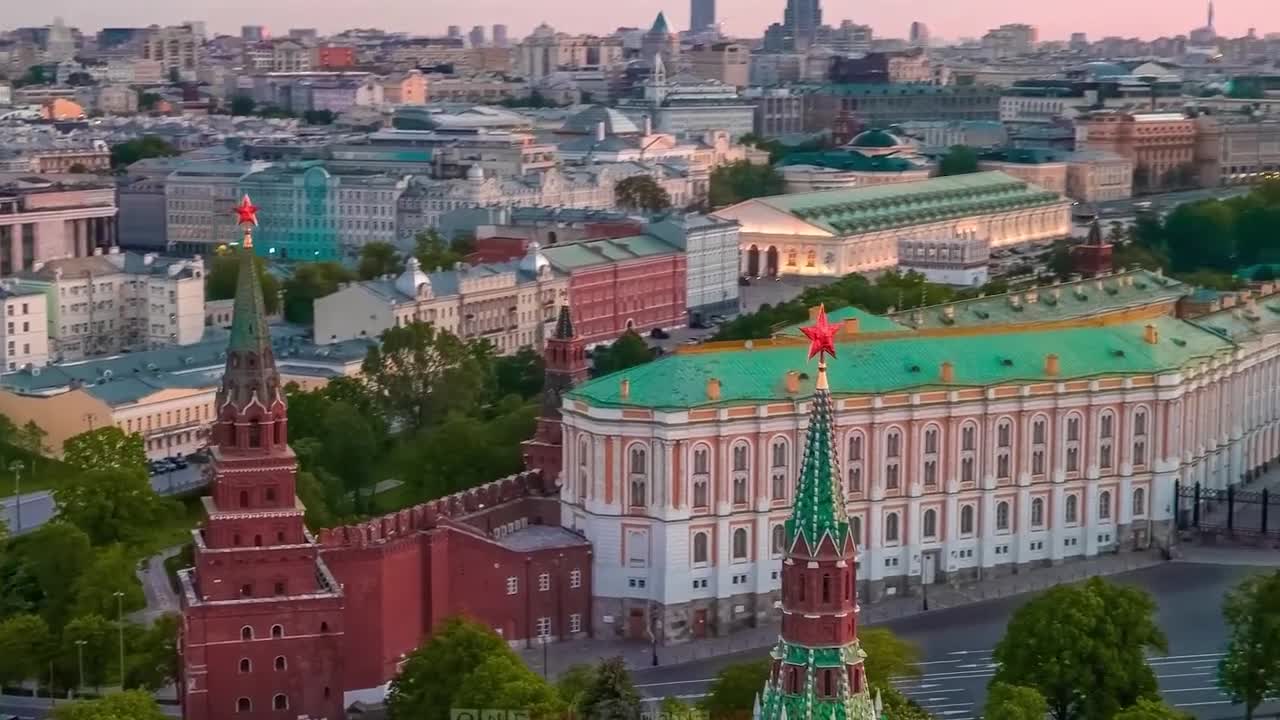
867	322
850	160
880	207
819	509
911	361
571	256
1244	322
1083	298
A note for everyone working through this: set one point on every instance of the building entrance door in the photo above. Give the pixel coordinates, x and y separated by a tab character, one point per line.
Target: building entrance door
636	629
929	568
699	624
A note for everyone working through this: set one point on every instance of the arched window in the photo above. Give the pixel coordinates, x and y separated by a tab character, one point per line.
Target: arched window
741	457
701	476
1104	505
281	663
778	539
280	702
1073	443
584	466
778	469
277	631
855	529
1039	435
1106	437
891	528
246	633
1037	513
1140	437
1004	450
740	550
243	705
966	520
930	523
1002	515
638	466
930	458
893	459
741	468
1139	502
700	548
1072	511
855	462
255	434
246	665
271	494
244	498
968	452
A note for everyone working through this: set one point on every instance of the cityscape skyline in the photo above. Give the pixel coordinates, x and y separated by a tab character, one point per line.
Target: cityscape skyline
948	20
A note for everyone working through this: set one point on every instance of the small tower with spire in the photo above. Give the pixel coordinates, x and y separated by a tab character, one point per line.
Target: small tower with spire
1094	256
565	358
816	670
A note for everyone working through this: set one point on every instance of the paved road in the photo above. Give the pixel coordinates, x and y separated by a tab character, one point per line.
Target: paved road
38	507
25	707
956	647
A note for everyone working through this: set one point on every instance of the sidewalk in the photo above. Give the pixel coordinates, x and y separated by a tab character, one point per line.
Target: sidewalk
639	655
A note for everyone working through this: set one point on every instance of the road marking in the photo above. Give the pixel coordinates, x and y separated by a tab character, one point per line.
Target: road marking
674	682
952	712
1199	689
1206	702
1205	667
967	652
1156	658
932	708
1194	674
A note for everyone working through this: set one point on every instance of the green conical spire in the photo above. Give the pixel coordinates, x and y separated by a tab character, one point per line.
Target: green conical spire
249	319
819	508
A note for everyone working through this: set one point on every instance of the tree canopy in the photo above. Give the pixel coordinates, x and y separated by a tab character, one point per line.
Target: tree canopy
1083	648
959	160
436	253
310	281
641	192
1014	702
112	505
888	656
148	146
742	180
1249	671
611	693
129	705
627	351
378	259
434	674
420	372
1148	709
106	448
734	690
223	274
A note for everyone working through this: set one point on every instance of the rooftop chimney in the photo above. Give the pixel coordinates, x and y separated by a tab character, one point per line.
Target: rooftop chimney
849	326
1151	335
625	389
947	373
949	312
713	388
813	313
1051	367
793	382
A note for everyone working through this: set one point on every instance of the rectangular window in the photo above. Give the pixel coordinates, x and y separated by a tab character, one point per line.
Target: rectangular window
575	578
513	585
544	582
544	628
575	623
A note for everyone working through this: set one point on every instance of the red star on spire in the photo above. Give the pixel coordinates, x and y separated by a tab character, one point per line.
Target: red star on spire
821	336
246	212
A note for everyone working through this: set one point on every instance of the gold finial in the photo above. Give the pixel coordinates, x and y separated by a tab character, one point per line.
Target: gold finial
822	375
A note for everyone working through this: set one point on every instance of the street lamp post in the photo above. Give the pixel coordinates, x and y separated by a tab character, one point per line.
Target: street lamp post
80	661
120	626
16	467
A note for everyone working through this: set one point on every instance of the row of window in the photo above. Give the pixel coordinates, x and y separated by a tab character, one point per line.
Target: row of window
543	625
544	582
279	701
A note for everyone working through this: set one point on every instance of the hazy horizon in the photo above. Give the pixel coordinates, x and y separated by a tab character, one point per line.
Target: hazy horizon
741	17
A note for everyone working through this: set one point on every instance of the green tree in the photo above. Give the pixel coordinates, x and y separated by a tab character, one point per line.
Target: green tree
320	498
378	259
1014	702
1249	671
521	373
129	705
733	691
1199	235
55	556
310	281
111	506
888	656
611	693
347	448
30	437
434	252
1148	709
627	351
152	662
742	180
898	706
677	709
224	272
504	682
106	448
148	146
464	450
573	683
242	105
641	192
99	650
1083	648
959	160
25	647
110	572
433	674
419	373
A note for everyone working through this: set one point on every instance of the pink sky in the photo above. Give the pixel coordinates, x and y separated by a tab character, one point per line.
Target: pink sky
890	18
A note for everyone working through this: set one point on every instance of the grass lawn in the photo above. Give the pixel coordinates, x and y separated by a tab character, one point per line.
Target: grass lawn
38	472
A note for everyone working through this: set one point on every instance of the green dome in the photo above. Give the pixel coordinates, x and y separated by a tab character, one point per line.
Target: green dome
875	139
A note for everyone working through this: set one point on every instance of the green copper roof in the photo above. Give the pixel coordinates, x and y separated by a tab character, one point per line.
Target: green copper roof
570	256
852	161
875	139
880	207
909	361
819	509
867	322
249	315
809	705
1244	322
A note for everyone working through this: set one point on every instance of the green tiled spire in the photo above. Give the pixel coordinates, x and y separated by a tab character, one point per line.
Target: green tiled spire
818	509
251	373
249	320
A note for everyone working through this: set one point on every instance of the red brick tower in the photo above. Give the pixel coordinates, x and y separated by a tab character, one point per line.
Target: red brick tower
262	615
1094	256
565	357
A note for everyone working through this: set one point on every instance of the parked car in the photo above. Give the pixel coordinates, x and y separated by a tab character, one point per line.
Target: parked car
659	334
719	319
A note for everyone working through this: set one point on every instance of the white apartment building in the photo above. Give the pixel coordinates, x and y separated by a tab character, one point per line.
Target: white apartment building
24	337
176	49
112	302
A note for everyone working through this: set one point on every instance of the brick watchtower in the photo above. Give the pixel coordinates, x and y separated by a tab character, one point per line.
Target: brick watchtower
262	615
1093	258
565	357
817	672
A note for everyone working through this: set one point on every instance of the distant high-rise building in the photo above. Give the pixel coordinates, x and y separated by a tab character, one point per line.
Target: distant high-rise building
253	33
477	36
702	15
305	35
919	35
455	31
1079	41
801	19
59	45
500	36
198	28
